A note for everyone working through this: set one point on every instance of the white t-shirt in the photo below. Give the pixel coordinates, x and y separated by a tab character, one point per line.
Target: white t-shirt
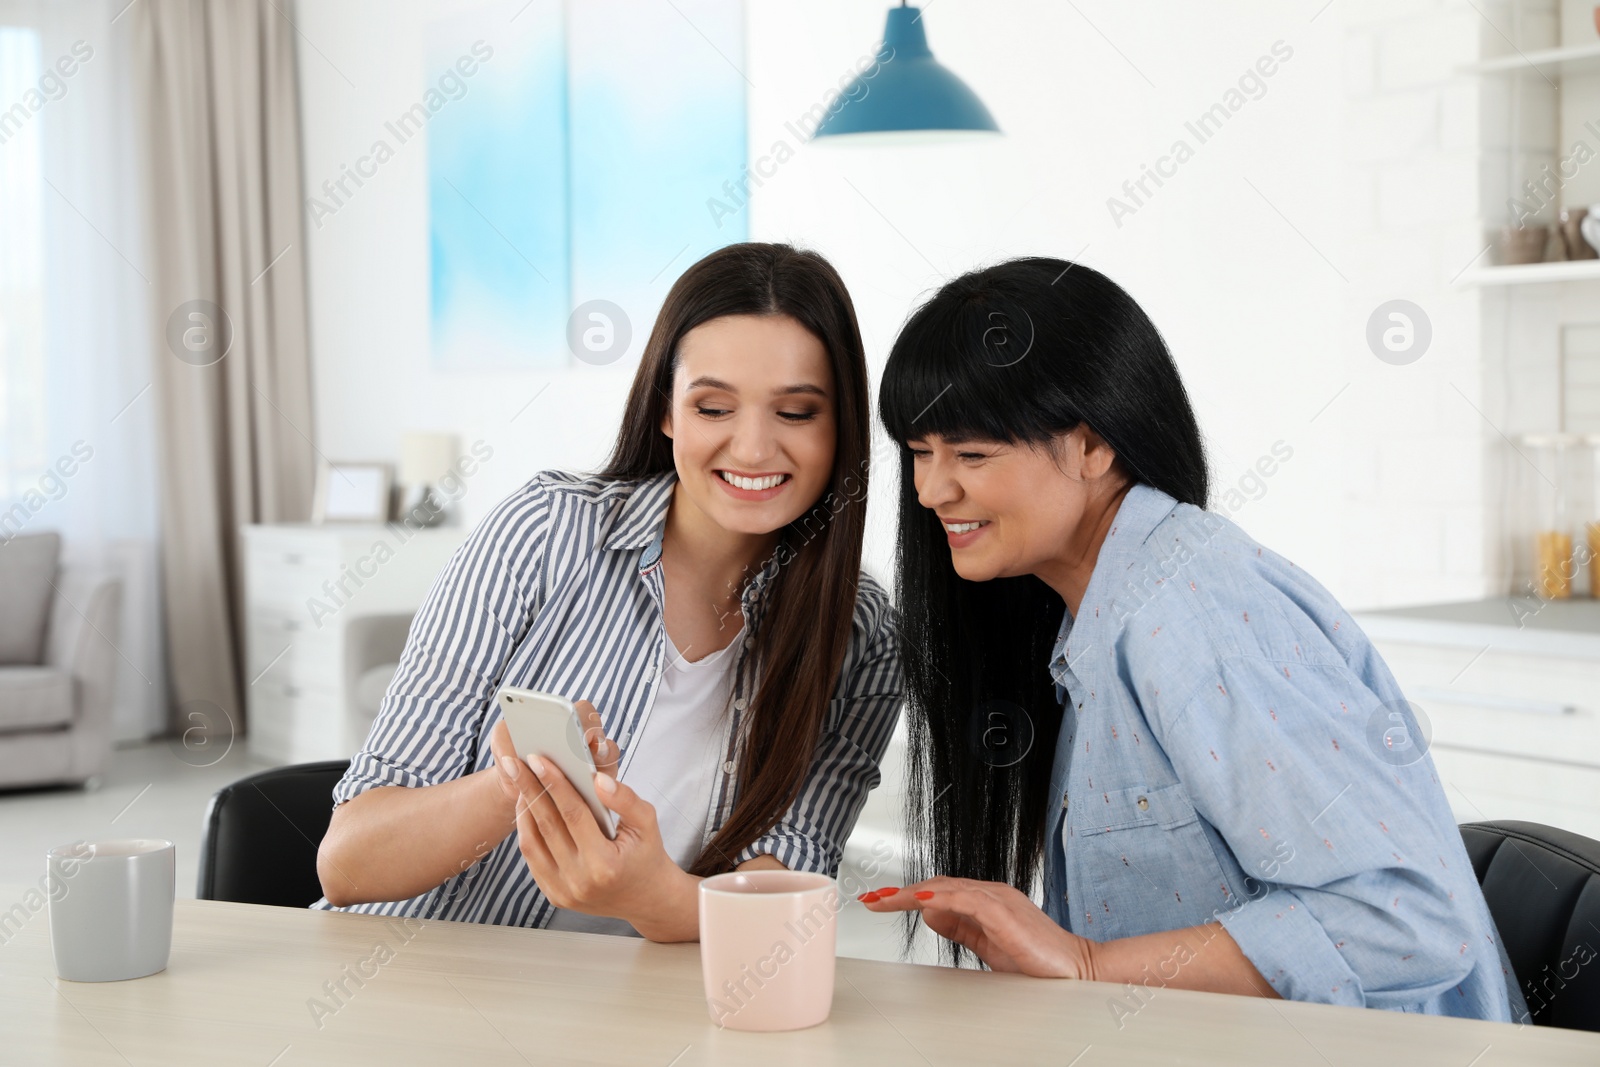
675	762
678	755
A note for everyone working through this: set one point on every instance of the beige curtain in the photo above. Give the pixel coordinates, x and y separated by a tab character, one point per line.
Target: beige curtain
216	80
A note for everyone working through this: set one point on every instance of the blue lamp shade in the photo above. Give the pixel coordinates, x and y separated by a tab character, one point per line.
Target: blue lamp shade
908	90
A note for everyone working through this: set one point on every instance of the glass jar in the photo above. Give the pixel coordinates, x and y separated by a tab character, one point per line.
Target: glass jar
1591	513
1555	457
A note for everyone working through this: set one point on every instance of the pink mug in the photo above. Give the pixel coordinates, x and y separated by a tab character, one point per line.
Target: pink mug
767	942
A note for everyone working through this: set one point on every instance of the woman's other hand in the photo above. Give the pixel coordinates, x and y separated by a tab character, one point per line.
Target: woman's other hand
1002	926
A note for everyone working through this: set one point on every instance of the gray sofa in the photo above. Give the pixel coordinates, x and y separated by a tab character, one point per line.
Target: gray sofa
58	663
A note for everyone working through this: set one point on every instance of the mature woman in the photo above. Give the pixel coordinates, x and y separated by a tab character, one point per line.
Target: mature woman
704	592
1107	684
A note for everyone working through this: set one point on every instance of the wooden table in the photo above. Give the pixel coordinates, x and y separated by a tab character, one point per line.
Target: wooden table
243	980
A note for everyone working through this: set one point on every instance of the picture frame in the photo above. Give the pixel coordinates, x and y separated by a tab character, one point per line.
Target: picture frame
352	491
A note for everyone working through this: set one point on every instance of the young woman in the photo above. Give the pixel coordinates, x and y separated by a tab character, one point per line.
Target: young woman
1184	733
704	592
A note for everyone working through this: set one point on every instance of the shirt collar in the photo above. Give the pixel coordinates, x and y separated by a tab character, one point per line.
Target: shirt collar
644	515
1142	509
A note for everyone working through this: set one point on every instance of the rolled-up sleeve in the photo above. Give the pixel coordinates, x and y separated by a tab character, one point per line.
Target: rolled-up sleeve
844	769
474	616
1354	893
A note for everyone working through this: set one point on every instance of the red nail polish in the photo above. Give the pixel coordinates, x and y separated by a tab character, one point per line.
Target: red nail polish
861	896
869	898
887	891
926	894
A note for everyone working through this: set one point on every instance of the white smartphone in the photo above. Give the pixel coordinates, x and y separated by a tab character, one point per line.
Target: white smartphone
548	725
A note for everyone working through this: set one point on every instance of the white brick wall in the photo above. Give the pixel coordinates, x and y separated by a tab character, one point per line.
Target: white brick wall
1580	346
1440	506
1416	498
1534	337
1423	51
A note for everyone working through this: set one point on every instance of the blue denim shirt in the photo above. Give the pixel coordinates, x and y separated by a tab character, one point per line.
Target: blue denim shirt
1234	750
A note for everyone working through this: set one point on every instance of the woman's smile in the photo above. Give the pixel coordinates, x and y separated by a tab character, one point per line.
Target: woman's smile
753	487
963	532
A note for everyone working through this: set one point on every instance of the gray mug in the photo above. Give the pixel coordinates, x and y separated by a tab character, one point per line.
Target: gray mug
111	908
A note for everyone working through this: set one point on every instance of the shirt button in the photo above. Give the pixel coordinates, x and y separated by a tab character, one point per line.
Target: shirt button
741	703
1144	804
1063	803
727	768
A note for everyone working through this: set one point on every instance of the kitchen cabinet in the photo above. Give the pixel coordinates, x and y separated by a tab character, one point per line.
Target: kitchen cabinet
1510	687
303	585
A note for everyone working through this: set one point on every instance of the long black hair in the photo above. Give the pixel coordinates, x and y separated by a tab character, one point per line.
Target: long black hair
1021	352
801	640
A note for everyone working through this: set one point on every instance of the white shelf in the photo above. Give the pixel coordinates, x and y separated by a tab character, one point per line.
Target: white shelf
1579	59
1533	273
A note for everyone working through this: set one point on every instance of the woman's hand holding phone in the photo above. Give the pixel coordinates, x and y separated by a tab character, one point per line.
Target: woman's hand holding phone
631	877
602	749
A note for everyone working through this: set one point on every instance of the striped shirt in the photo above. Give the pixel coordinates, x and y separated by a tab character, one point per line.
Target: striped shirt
559	589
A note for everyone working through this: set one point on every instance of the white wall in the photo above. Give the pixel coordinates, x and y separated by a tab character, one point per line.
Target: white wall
362	63
1244	258
1247	306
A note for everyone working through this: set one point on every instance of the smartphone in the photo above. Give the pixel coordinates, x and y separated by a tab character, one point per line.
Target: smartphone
548	725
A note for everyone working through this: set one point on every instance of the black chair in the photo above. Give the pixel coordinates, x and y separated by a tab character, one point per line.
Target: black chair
260	836
1543	889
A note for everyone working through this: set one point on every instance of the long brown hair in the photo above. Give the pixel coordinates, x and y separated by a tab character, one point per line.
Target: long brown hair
802	635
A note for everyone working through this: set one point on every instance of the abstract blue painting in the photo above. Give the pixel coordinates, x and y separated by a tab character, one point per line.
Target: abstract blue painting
574	164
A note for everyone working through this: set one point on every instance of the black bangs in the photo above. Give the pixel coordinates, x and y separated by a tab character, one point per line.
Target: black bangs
942	379
975	362
1028	349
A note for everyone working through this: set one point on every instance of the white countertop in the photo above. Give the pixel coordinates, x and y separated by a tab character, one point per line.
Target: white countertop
1565	628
